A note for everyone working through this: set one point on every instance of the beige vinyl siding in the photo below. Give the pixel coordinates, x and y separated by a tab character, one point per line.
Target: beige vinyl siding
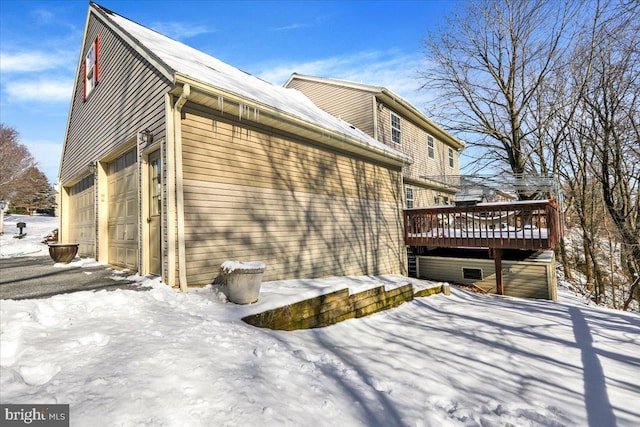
449	269
364	110
303	210
128	98
82	208
424	196
527	280
522	279
414	144
352	105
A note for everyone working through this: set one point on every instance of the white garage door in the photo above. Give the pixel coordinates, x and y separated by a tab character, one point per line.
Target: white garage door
82	228
123	211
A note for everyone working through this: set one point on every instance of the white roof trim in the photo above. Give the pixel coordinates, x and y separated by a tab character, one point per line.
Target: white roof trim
104	16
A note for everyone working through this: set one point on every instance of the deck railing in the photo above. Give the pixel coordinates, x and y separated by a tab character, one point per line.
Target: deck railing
530	225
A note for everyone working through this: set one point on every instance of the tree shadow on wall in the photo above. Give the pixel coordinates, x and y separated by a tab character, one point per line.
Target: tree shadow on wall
304	210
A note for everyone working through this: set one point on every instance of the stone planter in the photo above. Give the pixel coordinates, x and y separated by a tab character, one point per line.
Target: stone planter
63	252
243	280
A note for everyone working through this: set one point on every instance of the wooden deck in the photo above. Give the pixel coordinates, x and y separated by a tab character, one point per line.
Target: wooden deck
531	225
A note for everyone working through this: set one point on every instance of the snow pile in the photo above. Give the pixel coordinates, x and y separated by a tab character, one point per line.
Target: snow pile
162	357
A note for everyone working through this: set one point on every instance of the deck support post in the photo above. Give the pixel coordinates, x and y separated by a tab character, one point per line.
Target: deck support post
497	258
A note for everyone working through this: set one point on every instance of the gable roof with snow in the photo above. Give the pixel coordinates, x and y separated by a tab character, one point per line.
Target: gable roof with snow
175	59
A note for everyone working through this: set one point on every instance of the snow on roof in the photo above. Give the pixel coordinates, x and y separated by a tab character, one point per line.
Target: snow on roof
347	83
207	69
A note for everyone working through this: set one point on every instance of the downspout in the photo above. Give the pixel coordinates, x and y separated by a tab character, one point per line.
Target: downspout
171	193
177	120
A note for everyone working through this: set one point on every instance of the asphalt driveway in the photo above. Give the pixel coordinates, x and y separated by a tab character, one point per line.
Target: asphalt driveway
36	277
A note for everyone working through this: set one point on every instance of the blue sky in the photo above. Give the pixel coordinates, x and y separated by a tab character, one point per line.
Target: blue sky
375	42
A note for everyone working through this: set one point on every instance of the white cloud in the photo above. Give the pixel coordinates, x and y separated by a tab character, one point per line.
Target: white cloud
35	61
180	30
290	27
40	90
393	70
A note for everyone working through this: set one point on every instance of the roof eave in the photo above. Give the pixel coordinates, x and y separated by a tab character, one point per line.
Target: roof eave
135	44
290	123
336	82
75	89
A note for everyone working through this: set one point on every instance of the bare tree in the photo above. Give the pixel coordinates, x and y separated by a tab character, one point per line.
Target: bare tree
15	159
551	87
581	192
494	64
500	65
600	148
613	102
21	182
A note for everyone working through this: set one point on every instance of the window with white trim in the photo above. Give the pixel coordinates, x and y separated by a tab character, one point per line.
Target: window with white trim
408	196
431	149
91	68
395	128
451	158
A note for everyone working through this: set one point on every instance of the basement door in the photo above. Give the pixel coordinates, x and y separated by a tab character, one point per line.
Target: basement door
123	211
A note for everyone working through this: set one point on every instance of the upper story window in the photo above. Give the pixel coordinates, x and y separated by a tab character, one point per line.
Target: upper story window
431	149
91	68
451	158
408	196
395	128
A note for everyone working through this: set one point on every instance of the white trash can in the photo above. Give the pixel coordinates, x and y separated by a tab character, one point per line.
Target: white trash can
243	280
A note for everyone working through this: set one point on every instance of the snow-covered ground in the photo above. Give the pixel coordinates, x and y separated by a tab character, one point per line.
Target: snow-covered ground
164	358
38	227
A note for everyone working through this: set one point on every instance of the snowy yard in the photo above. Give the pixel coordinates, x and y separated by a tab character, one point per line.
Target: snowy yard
165	358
